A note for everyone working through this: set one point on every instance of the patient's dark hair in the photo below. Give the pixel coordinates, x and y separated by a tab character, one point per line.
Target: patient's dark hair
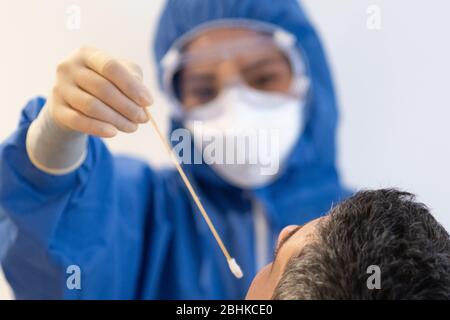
386	228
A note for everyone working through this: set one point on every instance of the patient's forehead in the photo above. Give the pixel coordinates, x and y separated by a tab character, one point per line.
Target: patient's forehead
304	236
308	232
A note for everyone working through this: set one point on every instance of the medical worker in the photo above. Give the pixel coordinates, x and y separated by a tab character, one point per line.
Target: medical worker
78	222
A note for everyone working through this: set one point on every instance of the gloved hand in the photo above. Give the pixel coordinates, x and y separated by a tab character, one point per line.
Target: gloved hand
98	95
94	94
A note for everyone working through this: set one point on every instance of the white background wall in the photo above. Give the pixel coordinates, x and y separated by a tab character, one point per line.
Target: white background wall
393	84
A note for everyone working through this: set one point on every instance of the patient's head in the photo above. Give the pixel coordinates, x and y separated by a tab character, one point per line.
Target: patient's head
329	257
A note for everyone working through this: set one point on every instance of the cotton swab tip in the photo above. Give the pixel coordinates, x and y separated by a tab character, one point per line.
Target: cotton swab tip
235	269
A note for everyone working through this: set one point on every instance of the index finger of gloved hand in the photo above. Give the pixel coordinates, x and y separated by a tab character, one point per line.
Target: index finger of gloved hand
136	71
133	68
113	70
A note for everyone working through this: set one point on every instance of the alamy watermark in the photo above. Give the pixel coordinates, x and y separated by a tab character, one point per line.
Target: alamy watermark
374	18
73	21
374	280
73	281
258	147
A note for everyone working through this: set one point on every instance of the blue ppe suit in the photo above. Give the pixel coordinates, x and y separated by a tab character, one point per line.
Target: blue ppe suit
134	231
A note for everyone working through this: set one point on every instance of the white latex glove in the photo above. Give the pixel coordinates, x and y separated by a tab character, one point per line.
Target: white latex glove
98	95
94	94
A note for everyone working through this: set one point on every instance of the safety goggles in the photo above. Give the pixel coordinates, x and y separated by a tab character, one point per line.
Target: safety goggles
269	61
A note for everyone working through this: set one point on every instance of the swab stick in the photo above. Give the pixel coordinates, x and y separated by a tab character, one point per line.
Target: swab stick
232	264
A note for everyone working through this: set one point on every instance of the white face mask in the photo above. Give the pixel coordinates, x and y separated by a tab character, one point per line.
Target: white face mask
271	123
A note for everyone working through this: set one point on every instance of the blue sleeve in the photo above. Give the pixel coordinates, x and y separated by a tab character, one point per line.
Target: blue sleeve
91	220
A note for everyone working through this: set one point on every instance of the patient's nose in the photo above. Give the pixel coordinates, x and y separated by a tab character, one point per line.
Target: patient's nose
285	232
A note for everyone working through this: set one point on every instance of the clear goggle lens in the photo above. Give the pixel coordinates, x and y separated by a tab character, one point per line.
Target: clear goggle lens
258	62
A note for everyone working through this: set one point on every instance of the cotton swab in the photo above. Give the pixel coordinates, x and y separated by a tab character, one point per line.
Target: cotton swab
232	264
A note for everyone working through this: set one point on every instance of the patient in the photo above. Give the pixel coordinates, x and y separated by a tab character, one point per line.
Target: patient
329	257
